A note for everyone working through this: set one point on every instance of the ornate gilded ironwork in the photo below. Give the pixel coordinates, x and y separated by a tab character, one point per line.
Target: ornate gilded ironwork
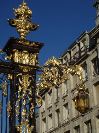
4	88
81	99
55	73
24	57
53	61
21	55
24	96
51	75
24	127
9	108
23	63
17	106
22	22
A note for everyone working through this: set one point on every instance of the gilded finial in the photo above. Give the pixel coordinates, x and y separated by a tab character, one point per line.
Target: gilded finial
23	22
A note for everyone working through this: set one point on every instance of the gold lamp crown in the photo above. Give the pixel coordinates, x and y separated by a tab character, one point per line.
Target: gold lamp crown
23	22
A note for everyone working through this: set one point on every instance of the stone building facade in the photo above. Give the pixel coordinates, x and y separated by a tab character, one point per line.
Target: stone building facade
58	113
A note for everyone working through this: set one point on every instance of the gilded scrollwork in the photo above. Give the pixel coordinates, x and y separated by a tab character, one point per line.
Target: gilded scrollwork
24	82
53	61
25	57
22	22
16	55
33	59
31	110
25	127
51	75
17	107
54	73
24	94
4	86
9	109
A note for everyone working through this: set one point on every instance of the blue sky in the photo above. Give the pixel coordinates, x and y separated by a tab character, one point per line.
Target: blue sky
61	22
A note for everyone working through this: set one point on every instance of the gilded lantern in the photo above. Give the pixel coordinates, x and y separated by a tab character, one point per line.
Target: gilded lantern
82	101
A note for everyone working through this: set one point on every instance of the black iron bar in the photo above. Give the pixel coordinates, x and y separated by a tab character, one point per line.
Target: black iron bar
11	118
6	111
0	112
2	115
34	101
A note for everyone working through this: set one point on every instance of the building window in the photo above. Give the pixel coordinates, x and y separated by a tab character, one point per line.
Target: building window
77	129
64	88
74	54
44	125
96	93
88	127
65	112
57	117
74	50
84	72
50	121
95	66
82	44
83	47
49	97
